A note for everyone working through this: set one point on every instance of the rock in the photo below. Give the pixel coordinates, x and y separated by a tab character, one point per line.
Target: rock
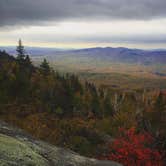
15	152
19	149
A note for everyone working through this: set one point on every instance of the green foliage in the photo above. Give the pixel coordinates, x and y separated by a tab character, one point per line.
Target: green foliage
108	108
80	144
59	111
63	95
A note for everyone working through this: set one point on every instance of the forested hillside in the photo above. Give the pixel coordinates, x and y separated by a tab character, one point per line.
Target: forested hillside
61	109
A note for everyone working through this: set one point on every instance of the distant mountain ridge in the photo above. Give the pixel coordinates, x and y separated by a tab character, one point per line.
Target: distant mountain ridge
124	55
119	54
34	51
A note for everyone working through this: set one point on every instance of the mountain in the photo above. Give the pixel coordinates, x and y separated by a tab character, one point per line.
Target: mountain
35	51
120	54
102	60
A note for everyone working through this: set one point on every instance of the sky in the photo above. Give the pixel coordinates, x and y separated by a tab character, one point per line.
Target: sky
84	23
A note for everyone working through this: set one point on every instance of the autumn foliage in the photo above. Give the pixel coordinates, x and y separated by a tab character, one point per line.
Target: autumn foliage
134	149
67	111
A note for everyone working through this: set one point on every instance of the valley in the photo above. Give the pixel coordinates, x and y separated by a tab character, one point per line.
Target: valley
111	67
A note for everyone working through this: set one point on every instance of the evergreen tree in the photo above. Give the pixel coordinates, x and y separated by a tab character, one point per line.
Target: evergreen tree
160	103
159	113
45	68
108	110
20	51
28	61
95	105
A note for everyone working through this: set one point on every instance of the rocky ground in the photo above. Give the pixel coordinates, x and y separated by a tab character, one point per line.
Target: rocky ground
19	149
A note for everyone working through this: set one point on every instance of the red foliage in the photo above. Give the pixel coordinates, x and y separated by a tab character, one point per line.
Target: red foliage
133	149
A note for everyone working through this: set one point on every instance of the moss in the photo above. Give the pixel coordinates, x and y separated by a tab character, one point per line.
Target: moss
14	152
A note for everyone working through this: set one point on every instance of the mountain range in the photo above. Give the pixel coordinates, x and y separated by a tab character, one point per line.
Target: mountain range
120	54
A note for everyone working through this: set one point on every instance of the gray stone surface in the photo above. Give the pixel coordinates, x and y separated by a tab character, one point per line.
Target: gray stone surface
19	149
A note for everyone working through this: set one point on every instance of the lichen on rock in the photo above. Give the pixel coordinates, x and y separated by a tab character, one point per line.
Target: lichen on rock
14	152
19	149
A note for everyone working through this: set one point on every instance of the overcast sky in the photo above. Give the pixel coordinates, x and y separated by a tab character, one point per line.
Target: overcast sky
84	23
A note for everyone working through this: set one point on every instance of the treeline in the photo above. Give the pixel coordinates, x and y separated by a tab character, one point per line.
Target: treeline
63	94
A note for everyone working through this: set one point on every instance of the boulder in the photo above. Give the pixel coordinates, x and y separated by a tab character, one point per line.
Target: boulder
19	149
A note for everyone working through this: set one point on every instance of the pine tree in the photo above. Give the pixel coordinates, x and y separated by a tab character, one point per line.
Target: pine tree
108	110
20	51
45	68
28	60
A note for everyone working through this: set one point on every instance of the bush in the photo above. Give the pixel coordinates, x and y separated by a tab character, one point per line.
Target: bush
80	144
132	148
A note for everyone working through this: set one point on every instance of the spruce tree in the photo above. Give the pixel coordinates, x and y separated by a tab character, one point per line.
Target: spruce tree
20	51
45	68
28	60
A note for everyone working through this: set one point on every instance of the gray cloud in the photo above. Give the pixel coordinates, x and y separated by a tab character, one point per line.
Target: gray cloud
135	39
28	12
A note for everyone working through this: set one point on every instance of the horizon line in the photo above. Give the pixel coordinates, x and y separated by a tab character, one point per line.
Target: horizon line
80	48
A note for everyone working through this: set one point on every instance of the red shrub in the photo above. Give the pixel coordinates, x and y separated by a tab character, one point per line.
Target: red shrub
133	149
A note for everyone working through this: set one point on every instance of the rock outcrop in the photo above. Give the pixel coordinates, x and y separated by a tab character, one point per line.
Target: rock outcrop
19	149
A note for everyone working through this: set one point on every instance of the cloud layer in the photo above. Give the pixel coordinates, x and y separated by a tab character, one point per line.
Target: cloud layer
30	12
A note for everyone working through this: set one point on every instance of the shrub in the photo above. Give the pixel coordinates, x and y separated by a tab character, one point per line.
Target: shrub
132	148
